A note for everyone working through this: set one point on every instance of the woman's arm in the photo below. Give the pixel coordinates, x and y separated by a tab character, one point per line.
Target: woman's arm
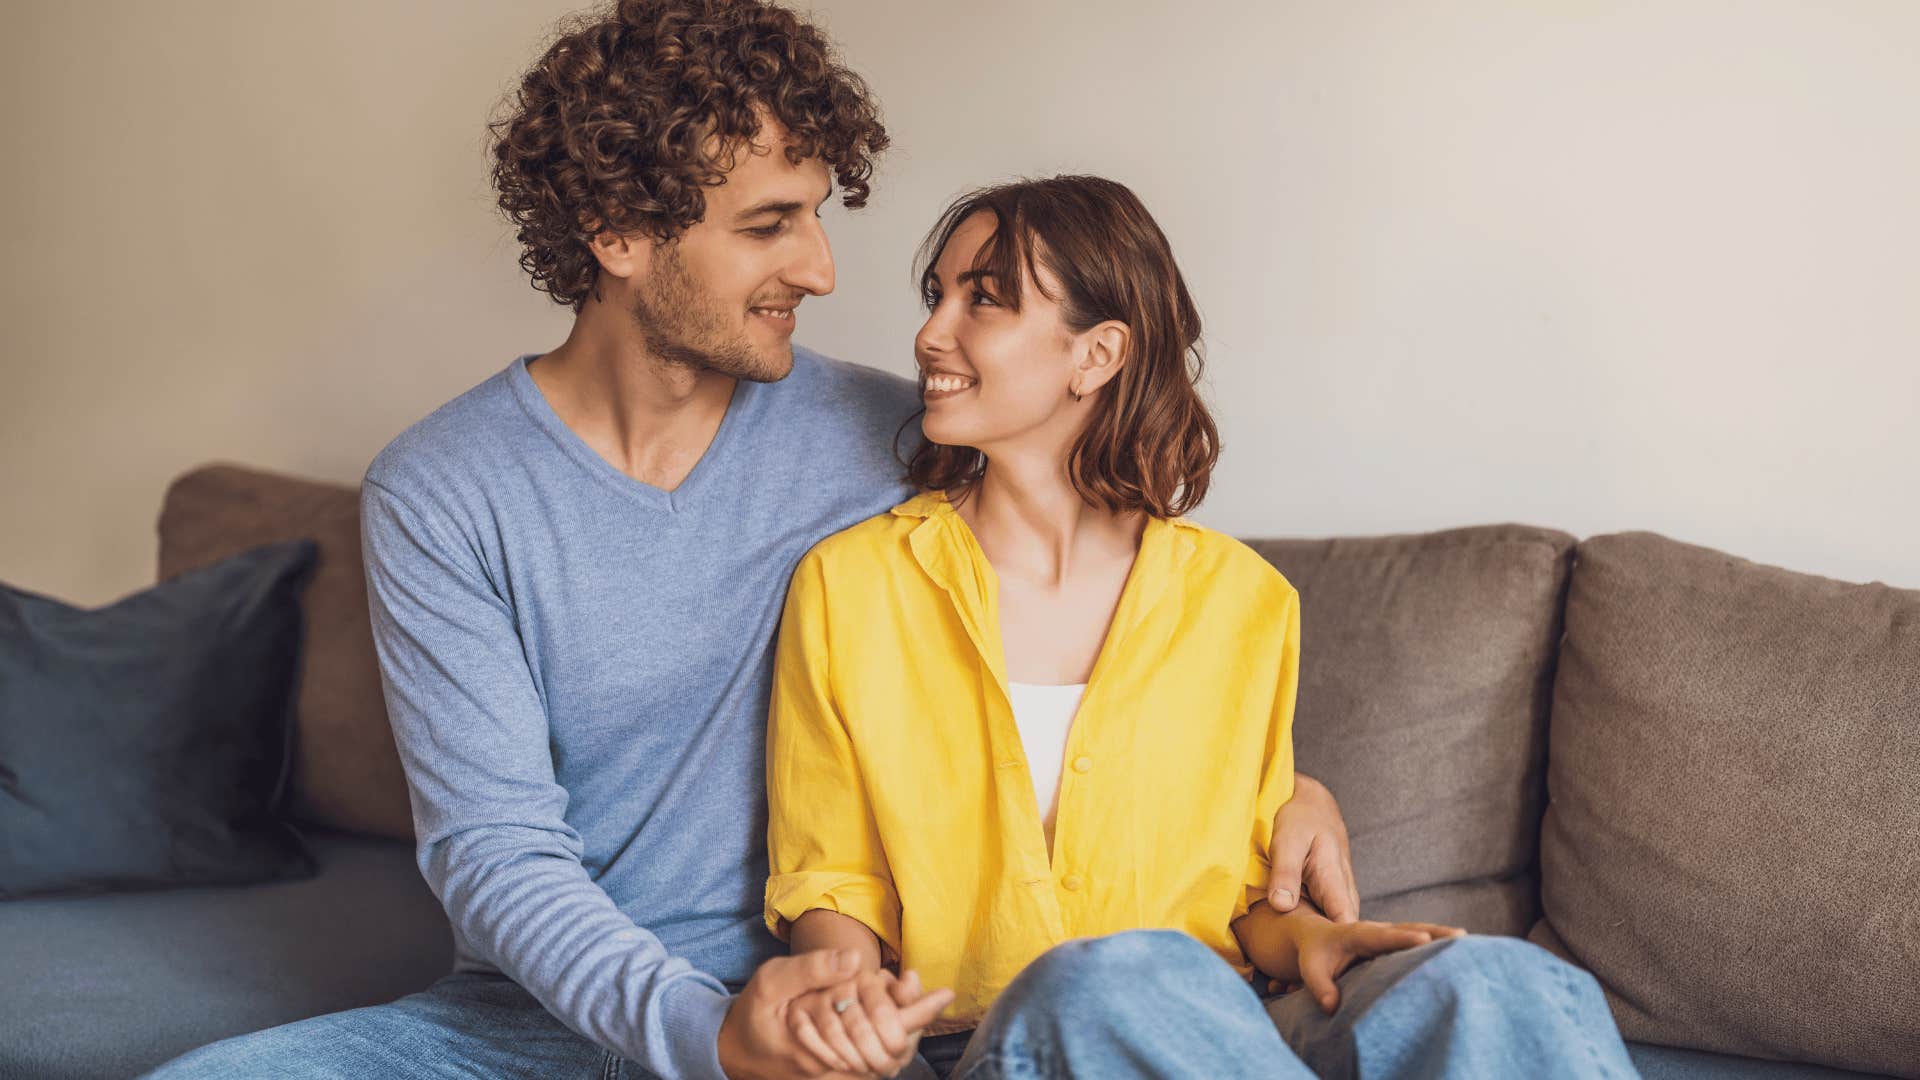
1306	947
823	929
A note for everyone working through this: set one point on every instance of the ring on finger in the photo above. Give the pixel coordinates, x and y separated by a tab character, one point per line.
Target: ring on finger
843	1005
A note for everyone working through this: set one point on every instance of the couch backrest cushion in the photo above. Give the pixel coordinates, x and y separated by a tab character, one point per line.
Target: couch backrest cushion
1733	841
346	771
1425	668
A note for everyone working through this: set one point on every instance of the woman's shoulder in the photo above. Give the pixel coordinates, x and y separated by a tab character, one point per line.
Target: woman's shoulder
875	540
1229	561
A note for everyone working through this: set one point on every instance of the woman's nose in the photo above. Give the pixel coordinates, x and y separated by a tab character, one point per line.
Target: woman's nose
935	336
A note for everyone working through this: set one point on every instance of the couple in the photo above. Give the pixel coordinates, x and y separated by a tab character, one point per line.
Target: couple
577	570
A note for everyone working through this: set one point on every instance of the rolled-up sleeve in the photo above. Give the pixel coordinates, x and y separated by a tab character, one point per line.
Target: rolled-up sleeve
822	842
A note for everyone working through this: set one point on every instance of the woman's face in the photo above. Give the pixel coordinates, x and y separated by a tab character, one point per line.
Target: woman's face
991	375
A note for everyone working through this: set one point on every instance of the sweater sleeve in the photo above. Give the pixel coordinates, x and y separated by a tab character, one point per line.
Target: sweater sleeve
492	839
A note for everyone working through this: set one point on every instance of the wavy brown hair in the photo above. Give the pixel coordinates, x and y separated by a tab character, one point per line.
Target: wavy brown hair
1150	444
636	110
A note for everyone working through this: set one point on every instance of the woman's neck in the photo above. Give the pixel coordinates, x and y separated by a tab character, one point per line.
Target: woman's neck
1036	528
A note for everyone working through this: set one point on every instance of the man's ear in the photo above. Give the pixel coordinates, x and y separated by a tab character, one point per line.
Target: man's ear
623	257
1103	354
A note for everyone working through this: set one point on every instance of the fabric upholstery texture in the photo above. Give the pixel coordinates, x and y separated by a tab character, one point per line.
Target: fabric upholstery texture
346	772
110	986
1733	842
146	743
1426	664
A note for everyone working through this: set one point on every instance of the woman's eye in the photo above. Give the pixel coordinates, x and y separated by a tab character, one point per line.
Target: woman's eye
931	299
983	298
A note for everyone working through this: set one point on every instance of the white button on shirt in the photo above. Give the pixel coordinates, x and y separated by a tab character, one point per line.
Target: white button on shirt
1044	715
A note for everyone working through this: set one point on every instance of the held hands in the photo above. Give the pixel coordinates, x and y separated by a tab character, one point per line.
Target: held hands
867	1025
759	1038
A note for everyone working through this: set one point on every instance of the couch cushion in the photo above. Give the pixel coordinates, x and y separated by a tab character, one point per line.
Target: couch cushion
113	985
1672	1063
1425	667
1733	842
346	771
147	743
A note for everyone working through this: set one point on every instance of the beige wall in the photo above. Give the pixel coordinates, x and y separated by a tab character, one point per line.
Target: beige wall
1594	266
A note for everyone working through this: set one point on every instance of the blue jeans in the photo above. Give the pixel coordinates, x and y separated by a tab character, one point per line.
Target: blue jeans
464	1025
1147	1003
1156	1003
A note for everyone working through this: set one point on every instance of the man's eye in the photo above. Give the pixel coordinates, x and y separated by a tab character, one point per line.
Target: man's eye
768	231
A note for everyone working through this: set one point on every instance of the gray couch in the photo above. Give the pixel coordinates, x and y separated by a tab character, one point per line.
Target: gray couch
1693	775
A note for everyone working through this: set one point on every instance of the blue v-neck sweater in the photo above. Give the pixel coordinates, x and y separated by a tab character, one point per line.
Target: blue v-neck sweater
577	668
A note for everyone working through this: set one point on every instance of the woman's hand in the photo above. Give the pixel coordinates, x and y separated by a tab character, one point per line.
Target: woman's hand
869	1025
1310	844
1326	950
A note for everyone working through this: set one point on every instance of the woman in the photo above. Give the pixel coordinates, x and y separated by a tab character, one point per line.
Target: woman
1034	704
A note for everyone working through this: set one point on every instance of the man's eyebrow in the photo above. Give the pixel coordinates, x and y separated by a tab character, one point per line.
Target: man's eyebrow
771	206
781	207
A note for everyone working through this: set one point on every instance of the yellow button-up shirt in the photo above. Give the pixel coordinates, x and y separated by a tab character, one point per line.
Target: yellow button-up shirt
898	784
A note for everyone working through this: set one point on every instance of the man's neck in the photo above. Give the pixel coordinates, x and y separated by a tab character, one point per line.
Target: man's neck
650	419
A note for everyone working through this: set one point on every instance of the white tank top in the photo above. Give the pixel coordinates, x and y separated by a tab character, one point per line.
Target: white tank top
1044	715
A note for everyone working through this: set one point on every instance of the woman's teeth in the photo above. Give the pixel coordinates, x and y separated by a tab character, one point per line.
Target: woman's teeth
941	383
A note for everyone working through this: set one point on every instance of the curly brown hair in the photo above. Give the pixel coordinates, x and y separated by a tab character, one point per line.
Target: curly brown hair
1150	443
635	111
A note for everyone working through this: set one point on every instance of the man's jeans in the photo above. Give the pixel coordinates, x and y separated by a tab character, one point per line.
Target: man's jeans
1147	1003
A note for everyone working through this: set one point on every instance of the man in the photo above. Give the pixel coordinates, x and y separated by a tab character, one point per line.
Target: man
576	570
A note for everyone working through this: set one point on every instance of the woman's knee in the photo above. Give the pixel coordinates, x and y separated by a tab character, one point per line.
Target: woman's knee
1494	964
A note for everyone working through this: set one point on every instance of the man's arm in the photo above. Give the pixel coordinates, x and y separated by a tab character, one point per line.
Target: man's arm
1310	846
491	839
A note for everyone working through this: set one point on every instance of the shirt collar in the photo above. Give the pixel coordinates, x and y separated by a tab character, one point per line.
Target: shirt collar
945	548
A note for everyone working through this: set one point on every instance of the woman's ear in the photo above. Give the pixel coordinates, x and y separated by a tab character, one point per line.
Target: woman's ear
1103	354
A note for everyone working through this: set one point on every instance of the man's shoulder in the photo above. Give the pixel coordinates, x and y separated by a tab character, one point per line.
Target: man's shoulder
878	393
440	451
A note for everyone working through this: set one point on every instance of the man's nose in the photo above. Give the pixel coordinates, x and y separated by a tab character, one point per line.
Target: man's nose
812	270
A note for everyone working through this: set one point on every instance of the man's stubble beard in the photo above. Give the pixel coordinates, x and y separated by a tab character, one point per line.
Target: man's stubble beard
681	325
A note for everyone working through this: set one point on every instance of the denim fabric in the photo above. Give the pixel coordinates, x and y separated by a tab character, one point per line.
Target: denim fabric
467	1024
1158	1004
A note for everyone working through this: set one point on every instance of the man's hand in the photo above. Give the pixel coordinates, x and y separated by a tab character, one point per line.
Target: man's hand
755	1043
1310	843
868	1025
756	1038
1328	949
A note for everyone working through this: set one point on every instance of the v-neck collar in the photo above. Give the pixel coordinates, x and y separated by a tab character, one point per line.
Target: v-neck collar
746	394
947	550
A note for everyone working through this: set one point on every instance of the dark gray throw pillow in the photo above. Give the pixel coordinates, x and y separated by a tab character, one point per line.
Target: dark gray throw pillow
147	743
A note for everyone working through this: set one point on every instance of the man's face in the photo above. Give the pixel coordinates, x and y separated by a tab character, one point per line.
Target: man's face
723	295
